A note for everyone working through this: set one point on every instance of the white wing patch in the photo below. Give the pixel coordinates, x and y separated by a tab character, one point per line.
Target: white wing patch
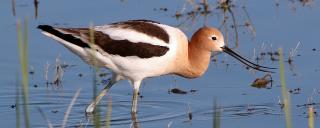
130	35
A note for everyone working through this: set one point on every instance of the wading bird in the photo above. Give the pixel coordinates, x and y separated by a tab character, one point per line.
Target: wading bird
138	49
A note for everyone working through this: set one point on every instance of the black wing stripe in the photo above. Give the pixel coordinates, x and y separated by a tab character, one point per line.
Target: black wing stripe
67	37
126	48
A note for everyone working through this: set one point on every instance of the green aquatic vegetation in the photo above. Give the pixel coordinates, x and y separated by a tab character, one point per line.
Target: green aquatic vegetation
108	113
310	117
216	115
17	105
23	55
284	91
96	114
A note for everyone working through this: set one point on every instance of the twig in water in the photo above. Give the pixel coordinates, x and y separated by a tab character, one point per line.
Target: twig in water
46	71
58	72
66	116
35	3
169	124
45	118
248	23
189	112
293	52
13	4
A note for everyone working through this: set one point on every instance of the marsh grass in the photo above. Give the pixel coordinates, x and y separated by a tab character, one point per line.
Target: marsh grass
310	116
13	6
96	114
43	115
66	116
17	104
96	74
23	55
108	114
22	32
216	115
284	91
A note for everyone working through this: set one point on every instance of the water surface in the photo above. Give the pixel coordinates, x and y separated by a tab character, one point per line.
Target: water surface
226	80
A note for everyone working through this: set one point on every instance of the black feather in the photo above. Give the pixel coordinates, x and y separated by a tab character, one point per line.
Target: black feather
67	37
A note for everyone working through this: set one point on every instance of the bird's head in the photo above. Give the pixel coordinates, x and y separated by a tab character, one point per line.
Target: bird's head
211	39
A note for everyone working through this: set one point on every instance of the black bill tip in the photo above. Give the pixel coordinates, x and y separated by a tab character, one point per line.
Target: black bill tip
245	61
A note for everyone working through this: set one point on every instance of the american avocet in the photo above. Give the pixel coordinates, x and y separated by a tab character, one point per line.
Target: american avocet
138	49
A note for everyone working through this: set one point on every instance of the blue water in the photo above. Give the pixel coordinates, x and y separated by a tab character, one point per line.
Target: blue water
242	105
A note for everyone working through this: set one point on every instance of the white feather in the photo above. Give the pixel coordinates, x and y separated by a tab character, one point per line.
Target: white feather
130	35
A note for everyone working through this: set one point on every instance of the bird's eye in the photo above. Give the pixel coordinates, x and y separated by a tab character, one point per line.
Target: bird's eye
214	38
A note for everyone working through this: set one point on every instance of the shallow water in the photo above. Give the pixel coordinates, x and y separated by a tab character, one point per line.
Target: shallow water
226	80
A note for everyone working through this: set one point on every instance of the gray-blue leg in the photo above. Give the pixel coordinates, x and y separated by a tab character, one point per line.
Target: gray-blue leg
136	86
93	104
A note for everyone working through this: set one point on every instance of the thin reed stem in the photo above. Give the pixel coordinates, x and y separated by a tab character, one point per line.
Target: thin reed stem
45	118
310	117
108	114
285	96
216	114
17	105
23	53
96	115
66	116
13	6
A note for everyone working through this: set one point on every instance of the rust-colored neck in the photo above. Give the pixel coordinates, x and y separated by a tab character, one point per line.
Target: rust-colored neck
198	58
